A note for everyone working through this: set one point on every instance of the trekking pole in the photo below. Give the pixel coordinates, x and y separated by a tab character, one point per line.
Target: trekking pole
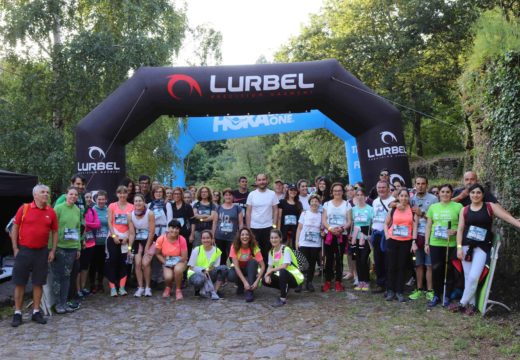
322	259
446	264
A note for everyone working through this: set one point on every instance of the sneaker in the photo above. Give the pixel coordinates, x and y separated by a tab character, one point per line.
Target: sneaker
356	282
434	301
278	303
74	304
389	295
17	320
358	287
86	292
60	310
113	292
148	292
167	292
214	296
446	302
178	294
69	309
400	297
416	294
298	289
122	291
429	295
411	282
326	287
139	292
348	276
249	296
378	290
338	287
80	295
37	317
365	287
309	287
456	307
470	310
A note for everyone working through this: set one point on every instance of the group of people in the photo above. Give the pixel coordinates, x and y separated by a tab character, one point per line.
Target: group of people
208	238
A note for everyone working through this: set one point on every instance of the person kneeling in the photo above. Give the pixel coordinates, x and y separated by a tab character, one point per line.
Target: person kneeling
281	270
172	251
205	269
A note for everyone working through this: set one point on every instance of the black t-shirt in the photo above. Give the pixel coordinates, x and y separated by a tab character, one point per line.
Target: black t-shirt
241	199
478	228
290	214
183	215
204	210
488	197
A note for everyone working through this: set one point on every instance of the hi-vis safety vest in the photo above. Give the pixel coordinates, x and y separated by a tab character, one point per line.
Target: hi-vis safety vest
292	268
203	261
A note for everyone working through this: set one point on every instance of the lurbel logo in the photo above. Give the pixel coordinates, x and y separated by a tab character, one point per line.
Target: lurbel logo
388	134
387	137
96	153
395	177
175	78
230	123
98	165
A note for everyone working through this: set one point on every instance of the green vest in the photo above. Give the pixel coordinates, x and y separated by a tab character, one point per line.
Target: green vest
292	268
202	260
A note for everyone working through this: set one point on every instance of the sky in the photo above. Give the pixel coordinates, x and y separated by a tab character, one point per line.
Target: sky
251	28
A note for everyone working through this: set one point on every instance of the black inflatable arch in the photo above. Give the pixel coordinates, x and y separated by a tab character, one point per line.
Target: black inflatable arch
236	90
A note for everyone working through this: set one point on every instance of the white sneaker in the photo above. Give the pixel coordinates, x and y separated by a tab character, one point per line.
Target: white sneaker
214	296
411	282
139	292
356	282
148	292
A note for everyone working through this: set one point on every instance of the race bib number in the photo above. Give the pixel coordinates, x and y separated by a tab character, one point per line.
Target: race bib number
312	237
142	234
421	227
226	227
441	232
124	248
400	230
171	261
290	220
89	235
205	212
158	213
181	221
380	216
361	218
476	233
102	233
337	220
121	219
71	234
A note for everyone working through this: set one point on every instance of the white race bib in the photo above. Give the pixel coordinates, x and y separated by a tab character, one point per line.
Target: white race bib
171	261
158	213
290	220
142	234
361	218
181	221
441	232
121	219
312	237
421	227
400	230
476	233
337	220
71	234
102	233
124	248
226	227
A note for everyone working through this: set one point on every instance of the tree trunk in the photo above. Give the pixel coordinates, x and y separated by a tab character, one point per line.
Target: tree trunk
417	134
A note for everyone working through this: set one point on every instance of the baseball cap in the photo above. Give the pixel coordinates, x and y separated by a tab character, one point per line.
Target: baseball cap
278	181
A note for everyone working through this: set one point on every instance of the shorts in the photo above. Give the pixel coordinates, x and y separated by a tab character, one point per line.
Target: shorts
86	258
421	258
31	261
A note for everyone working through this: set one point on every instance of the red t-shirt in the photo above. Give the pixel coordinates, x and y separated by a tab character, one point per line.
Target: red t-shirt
37	224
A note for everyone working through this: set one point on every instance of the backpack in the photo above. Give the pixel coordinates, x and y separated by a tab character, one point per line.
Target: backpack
9	227
466	211
298	259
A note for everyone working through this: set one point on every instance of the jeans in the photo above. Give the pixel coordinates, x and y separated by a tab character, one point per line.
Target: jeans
198	279
379	256
250	272
61	269
398	256
312	254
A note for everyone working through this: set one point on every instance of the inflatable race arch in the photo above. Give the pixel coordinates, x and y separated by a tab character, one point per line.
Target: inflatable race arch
240	90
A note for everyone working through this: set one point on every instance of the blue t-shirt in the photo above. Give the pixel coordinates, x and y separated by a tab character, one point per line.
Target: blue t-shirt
102	232
362	217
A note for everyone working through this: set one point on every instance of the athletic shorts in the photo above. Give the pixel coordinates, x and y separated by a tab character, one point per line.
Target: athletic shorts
421	258
86	258
31	261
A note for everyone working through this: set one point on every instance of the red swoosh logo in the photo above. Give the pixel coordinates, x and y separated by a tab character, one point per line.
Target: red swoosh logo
194	85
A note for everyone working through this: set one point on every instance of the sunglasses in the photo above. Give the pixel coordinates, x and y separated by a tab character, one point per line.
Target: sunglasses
383	174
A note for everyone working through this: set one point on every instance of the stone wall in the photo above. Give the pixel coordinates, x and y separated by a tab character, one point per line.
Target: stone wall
446	168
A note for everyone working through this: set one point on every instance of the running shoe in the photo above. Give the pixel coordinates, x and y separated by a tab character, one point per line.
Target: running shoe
37	317
470	310
298	289
74	304
178	294
348	276
80	295
249	296
279	303
416	294
434	302
167	292
139	292
356	282
214	296
456	307
17	320
85	291
390	295
59	309
122	291
309	287
366	287
400	297
326	287
358	287
148	292
429	295
338	287
69	309
411	282
113	292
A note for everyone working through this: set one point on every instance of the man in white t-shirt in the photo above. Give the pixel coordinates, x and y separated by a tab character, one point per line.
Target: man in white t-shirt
303	193
381	206
262	212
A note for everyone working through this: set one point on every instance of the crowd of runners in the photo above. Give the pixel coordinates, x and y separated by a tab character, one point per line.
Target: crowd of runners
176	239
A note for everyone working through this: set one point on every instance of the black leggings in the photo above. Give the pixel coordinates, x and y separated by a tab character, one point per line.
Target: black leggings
98	265
312	254
115	266
250	272
398	255
438	255
334	258
361	256
262	237
224	246
284	282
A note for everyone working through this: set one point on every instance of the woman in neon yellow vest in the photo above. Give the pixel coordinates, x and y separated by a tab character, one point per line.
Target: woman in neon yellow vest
205	269
282	271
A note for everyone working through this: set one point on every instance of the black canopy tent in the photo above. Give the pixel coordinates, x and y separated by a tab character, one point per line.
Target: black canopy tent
15	189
